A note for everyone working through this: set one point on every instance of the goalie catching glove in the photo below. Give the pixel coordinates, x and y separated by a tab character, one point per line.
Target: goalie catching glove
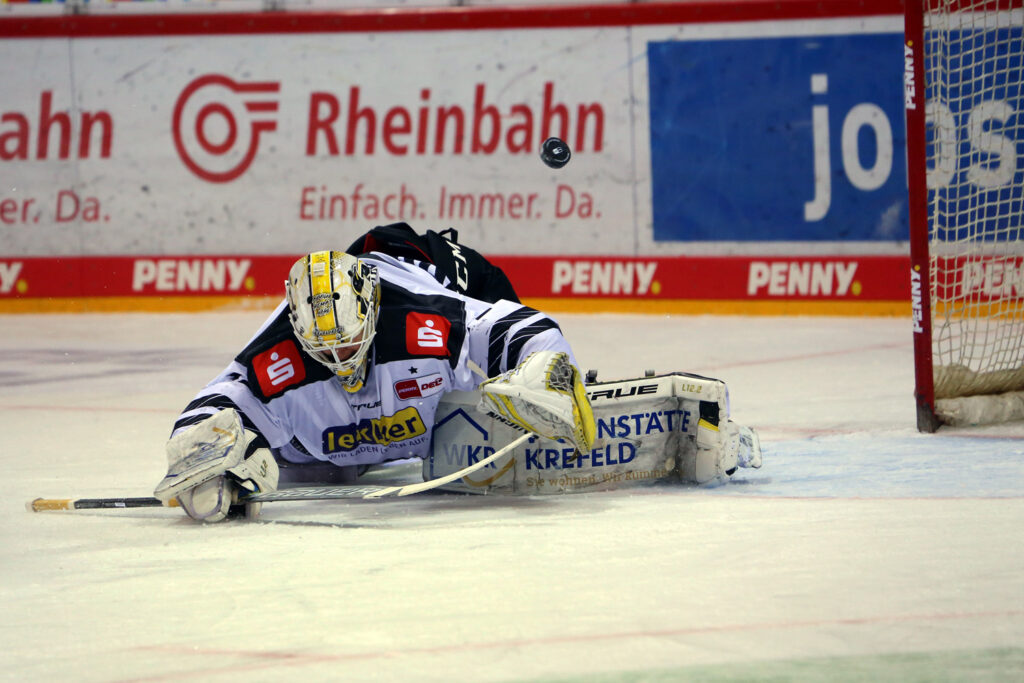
211	463
543	395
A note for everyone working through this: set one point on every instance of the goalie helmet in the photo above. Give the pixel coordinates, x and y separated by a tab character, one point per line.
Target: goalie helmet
333	299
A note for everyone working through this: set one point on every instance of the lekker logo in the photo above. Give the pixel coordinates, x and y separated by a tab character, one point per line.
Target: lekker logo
419	387
426	334
385	430
218	122
279	367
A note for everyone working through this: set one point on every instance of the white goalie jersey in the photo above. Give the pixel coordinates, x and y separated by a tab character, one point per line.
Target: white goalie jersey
427	337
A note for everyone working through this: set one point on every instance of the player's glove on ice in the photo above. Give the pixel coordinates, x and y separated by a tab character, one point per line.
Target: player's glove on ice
208	468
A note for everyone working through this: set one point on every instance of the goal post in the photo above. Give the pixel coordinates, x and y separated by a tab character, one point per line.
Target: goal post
965	151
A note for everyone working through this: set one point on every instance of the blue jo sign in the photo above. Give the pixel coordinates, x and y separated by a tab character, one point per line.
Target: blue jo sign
785	139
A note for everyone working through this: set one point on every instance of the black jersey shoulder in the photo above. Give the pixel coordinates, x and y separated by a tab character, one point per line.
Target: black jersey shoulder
274	347
402	312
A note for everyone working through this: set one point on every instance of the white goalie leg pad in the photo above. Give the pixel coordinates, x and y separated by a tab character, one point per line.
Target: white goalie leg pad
637	446
647	432
206	467
544	395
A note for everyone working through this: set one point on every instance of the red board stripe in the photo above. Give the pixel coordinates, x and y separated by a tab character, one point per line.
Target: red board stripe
440	18
781	278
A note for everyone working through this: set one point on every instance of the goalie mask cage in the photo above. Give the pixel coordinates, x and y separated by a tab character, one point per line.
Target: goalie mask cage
965	151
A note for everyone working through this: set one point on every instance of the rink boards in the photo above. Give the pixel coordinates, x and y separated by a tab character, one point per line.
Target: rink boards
745	158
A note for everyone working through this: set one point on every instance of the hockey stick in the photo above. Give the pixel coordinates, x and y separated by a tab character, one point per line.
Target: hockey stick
300	493
41	504
297	493
410	489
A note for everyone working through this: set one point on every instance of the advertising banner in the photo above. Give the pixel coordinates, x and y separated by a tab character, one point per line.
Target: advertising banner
292	143
754	154
979	173
863	283
768	139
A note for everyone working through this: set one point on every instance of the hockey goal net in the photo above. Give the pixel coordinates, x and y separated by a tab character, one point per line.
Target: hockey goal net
965	145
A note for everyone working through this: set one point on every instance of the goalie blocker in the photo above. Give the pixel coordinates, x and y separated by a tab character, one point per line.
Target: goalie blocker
669	428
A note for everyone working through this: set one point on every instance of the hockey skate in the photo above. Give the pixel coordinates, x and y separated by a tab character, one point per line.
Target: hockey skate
721	450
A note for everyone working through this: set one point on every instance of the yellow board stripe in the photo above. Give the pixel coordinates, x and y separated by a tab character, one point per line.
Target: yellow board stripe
781	307
142	304
240	302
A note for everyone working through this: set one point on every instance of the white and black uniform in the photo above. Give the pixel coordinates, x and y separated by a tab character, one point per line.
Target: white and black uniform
426	335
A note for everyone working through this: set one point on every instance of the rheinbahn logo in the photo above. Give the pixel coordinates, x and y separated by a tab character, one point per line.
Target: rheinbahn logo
218	122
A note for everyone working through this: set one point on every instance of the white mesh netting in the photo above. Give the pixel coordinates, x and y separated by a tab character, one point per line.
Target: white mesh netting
975	149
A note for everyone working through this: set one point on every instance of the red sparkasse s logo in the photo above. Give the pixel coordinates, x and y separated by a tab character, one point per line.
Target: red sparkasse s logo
217	120
279	367
426	334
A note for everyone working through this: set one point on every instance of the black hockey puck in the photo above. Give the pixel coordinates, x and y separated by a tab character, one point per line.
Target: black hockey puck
555	153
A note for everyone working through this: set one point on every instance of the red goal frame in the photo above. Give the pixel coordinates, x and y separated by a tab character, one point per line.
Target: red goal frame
914	101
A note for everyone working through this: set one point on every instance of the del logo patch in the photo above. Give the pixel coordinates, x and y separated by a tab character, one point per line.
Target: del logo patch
279	367
426	334
419	387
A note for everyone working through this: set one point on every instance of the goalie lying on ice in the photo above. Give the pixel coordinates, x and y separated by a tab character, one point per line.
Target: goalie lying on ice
349	370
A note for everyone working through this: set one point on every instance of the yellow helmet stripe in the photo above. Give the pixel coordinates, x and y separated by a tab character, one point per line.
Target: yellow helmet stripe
321	288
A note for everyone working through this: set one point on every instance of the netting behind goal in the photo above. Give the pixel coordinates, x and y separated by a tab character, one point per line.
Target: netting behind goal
966	171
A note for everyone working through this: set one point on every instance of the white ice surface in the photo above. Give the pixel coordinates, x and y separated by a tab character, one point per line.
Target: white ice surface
861	551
